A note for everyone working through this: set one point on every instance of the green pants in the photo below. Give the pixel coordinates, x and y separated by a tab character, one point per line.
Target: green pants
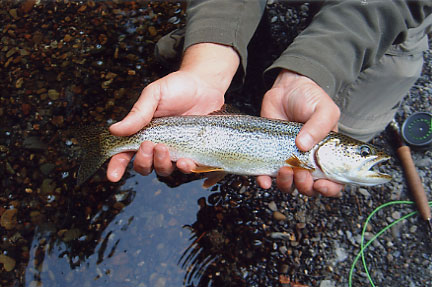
369	103
365	111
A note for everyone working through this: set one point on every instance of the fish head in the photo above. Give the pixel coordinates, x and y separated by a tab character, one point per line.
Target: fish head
346	160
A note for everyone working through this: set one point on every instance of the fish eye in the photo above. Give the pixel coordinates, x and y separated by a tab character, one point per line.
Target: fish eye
365	151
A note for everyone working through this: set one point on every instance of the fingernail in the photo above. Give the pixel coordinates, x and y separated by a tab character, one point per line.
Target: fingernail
115	175
306	141
116	125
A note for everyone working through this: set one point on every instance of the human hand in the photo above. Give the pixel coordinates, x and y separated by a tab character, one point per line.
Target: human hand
297	98
197	88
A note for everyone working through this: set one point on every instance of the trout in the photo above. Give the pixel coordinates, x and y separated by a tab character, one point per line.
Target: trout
240	144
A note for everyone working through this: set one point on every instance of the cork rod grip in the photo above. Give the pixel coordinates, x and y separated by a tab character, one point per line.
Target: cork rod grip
414	182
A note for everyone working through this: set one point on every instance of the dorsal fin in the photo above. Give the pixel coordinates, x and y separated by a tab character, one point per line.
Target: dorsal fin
227	109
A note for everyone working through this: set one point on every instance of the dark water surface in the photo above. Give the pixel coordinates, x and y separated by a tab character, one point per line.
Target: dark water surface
140	245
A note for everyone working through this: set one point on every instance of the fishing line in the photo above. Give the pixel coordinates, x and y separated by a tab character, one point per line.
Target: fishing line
364	246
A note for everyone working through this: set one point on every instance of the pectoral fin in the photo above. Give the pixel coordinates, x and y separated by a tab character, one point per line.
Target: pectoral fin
295	162
204	168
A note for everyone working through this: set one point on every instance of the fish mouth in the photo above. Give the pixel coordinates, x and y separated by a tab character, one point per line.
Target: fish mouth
369	171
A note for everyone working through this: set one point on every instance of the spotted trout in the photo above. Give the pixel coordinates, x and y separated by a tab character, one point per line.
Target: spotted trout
240	144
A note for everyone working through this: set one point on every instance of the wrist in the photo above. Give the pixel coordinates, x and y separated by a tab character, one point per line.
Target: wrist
287	77
214	63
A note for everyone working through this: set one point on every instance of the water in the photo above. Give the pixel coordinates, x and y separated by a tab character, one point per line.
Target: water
139	246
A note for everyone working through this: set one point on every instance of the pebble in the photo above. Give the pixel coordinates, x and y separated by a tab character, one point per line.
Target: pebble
364	192
53	94
341	254
34	143
284	268
9	219
8	262
272	206
27	6
71	234
396	215
279	215
152	31
48	186
47	168
423	162
13	13
327	283
300	225
19	83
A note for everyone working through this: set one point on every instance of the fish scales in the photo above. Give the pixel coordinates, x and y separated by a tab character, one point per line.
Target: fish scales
234	142
240	144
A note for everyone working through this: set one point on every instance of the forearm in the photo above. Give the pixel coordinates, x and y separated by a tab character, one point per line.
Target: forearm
346	37
226	22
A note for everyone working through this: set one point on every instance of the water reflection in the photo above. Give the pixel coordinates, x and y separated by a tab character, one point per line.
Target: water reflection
146	233
131	235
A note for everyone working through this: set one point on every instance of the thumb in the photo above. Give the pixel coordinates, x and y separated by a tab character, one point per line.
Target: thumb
322	121
141	113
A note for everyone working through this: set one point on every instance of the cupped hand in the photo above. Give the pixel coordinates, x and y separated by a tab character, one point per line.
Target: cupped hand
198	88
297	98
179	93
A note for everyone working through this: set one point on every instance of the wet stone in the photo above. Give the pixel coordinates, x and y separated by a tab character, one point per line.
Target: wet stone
300	225
279	215
396	215
46	168
34	143
9	219
71	234
53	94
48	186
13	13
327	283
272	206
9	168
8	262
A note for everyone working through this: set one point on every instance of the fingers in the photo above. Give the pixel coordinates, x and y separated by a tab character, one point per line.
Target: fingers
185	165
303	181
140	114
117	166
264	181
150	155
285	179
162	162
328	188
321	122
143	162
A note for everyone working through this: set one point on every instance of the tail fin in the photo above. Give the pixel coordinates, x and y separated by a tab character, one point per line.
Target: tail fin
94	143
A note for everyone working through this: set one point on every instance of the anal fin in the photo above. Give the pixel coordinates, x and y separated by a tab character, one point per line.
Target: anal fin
204	168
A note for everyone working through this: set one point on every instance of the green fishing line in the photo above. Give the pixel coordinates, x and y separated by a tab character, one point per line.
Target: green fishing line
364	246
